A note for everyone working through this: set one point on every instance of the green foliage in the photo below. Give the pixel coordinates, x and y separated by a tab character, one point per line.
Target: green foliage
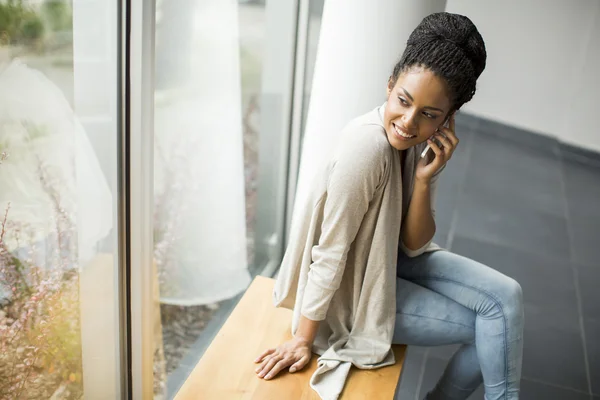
19	24
32	27
57	333
58	14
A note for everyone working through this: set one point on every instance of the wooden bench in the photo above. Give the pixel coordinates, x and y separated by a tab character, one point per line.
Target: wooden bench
226	371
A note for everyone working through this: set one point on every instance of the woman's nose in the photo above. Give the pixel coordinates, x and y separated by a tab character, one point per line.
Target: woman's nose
409	120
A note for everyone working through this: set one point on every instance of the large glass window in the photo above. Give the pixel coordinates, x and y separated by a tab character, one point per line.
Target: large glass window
58	199
223	84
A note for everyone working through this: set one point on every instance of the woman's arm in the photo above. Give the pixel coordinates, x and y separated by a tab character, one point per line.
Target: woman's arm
307	329
418	227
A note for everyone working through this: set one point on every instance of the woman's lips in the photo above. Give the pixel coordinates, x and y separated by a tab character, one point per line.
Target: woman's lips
401	133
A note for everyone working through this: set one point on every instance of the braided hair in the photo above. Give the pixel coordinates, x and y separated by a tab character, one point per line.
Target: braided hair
450	46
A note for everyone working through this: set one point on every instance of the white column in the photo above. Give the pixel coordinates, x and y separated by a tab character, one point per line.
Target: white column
360	42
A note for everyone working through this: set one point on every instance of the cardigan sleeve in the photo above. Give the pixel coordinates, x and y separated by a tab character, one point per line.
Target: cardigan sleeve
359	167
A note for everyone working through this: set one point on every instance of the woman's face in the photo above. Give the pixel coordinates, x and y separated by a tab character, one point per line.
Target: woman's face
417	105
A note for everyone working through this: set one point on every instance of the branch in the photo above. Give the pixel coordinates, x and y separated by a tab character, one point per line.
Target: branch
4	223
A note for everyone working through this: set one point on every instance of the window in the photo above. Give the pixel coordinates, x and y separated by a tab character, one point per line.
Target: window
59	317
223	83
219	147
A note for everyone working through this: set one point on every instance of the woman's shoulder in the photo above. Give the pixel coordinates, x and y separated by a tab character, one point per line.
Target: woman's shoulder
365	136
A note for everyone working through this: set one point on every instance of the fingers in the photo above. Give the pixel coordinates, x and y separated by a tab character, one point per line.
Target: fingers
263	355
278	367
448	146
450	133
436	149
268	365
451	136
264	363
301	363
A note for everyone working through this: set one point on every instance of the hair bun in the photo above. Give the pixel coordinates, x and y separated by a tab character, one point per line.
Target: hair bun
454	29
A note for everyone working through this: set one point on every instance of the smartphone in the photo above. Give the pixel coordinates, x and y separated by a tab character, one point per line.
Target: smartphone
428	147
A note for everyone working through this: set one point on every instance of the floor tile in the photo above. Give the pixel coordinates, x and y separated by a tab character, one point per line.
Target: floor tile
592	338
519	177
443	352
411	371
529	390
494	221
516	188
450	184
434	368
538	391
533	161
513	196
589	278
585	238
582	183
553	355
546	282
445	206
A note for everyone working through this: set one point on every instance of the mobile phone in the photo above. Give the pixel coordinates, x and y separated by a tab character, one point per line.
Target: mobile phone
428	147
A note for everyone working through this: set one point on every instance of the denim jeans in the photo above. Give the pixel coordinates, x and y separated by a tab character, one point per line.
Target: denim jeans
443	298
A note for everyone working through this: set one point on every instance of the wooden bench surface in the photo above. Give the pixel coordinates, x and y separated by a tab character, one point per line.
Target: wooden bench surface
226	371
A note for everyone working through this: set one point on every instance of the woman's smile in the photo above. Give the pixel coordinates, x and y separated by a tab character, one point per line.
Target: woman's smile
402	133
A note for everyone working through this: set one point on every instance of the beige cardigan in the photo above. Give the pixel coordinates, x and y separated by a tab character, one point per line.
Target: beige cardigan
340	263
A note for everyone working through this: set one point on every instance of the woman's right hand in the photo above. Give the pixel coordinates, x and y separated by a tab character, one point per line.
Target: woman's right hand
295	352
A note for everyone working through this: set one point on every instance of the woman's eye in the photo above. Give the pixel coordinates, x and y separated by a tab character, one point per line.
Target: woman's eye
428	115
404	102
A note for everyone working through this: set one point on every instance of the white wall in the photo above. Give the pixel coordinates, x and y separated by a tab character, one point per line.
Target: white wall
543	71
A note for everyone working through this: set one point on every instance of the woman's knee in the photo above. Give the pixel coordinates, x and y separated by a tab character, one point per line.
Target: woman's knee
510	296
503	300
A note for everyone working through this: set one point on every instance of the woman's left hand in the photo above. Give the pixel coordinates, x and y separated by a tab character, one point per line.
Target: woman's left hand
425	168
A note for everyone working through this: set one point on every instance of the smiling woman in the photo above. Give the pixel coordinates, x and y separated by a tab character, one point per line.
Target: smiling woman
416	103
345	269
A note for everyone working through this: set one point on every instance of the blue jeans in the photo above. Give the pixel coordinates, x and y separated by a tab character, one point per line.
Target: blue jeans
443	298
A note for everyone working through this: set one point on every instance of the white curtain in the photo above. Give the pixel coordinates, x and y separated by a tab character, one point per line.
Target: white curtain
200	240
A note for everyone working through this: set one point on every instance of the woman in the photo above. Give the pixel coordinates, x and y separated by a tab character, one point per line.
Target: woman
344	263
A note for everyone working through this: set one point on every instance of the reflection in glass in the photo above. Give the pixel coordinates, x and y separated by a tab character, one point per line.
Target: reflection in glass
209	127
200	232
58	212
